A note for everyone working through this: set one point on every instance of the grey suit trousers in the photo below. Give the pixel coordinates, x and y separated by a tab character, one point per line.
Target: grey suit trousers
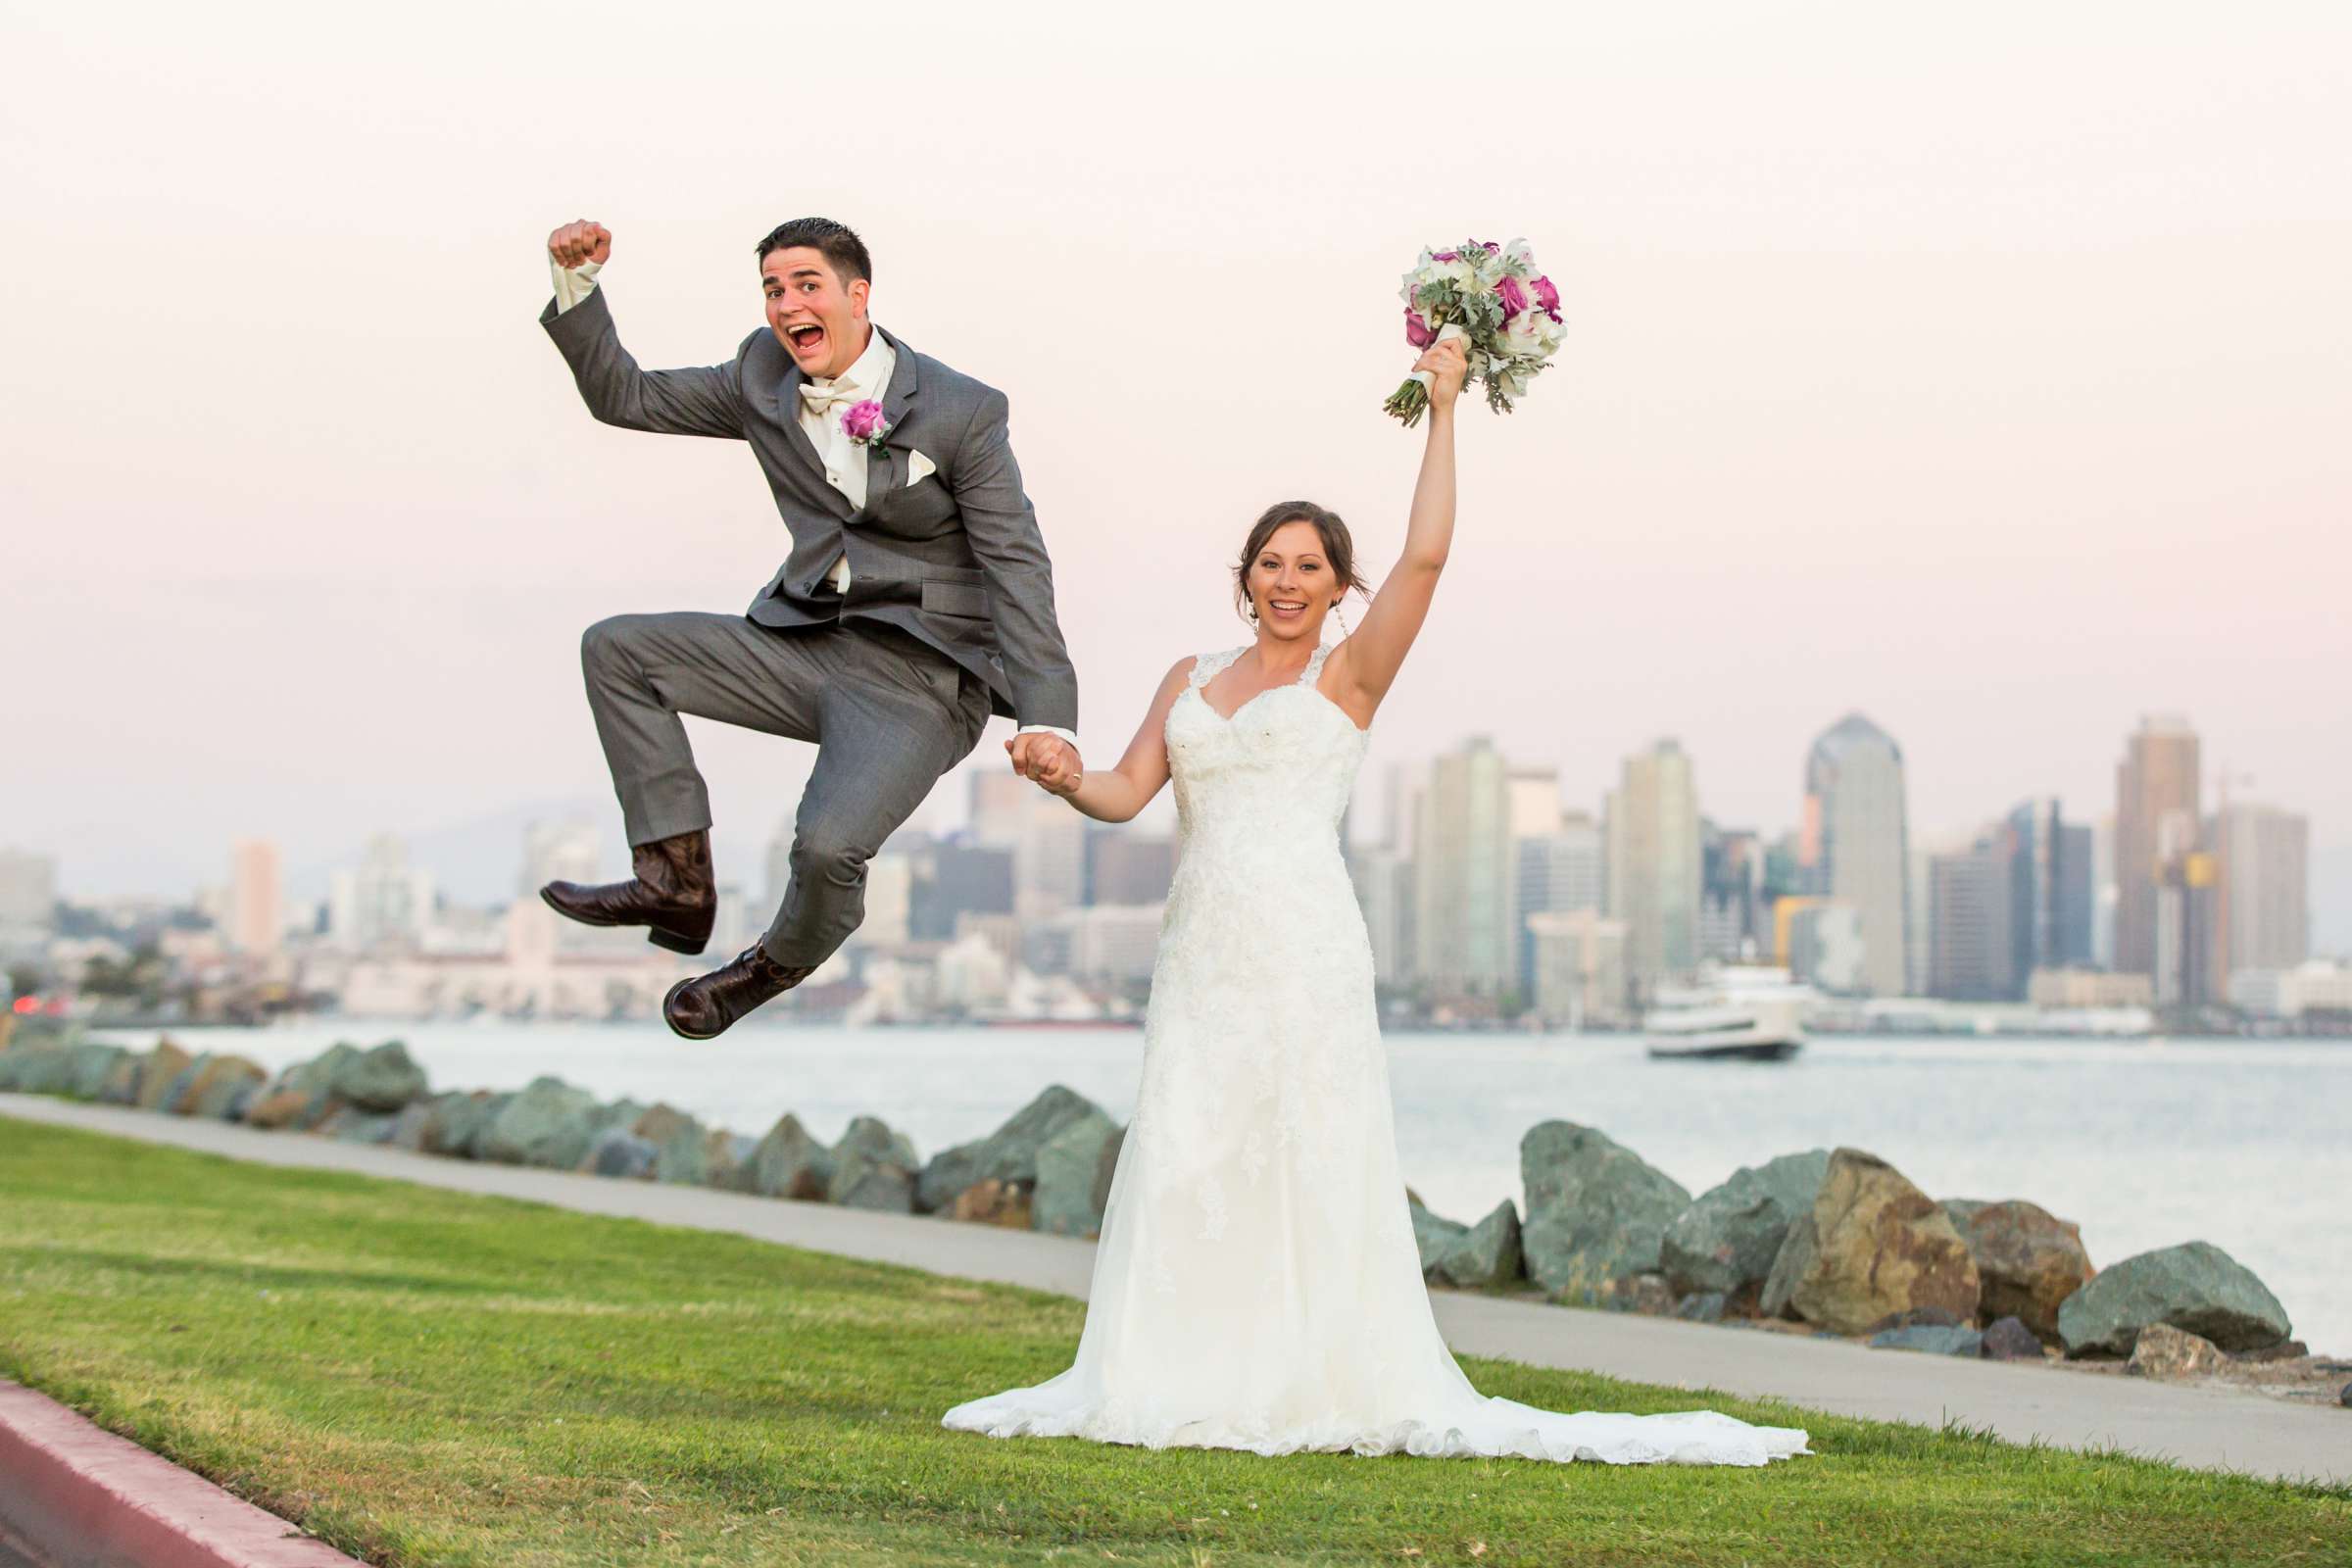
888	714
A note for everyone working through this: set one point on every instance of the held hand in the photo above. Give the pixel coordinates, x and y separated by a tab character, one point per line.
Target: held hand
1446	364
583	241
1046	760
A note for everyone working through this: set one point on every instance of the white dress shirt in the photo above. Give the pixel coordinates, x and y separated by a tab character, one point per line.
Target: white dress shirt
820	421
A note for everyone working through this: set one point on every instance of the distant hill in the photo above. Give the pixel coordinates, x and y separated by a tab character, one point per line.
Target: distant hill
475	861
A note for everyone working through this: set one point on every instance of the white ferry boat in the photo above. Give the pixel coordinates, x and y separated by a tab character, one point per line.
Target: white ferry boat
1742	1013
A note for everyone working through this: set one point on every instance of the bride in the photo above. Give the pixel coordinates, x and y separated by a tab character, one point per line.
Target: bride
1257	1286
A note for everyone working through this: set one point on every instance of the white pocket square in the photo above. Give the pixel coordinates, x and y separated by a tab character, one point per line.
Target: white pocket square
919	466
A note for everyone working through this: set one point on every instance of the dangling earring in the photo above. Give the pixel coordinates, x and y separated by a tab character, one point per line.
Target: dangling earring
1342	620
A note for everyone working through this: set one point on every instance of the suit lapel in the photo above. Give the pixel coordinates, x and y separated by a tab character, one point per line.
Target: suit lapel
796	440
884	461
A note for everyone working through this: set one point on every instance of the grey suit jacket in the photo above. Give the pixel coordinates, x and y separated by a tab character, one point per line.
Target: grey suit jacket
955	559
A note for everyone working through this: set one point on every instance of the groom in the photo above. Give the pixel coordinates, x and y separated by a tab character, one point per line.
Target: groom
917	598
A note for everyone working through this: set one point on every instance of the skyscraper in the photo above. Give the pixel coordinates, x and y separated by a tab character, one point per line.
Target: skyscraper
1972	908
1855	839
1730	880
2265	857
256	902
1558	872
1462	855
2156	820
1653	864
2078	895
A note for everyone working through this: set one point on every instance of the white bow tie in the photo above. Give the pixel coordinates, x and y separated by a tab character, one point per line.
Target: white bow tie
822	397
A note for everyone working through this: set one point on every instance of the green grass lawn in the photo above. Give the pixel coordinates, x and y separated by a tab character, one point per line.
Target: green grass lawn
424	1377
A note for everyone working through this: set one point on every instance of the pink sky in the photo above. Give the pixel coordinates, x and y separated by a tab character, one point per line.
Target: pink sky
1986	371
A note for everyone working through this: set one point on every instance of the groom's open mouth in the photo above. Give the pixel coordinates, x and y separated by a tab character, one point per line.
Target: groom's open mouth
805	340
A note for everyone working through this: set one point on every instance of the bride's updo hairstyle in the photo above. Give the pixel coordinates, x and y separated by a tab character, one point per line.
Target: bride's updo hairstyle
1339	549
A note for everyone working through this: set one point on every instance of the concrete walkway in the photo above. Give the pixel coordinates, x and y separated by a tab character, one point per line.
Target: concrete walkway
2213	1429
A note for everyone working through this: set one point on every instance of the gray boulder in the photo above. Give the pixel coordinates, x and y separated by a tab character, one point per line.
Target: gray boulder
1484	1257
2009	1340
211	1086
619	1152
301	1096
35	1070
90	1068
1433	1234
457	1121
682	1152
1008	1154
2195	1287
1064	1201
1107	1168
352	1125
1702	1306
874	1168
549	1123
1931	1339
159	1070
1729	1236
382	1079
790	1163
407	1128
1596	1211
728	1161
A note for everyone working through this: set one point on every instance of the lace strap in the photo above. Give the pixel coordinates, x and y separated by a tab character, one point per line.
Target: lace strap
1207	665
1315	666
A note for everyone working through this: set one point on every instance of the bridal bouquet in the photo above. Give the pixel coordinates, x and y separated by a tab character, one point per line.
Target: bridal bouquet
1497	301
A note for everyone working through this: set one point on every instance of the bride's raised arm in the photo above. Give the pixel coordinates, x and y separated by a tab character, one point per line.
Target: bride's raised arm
1365	665
1116	794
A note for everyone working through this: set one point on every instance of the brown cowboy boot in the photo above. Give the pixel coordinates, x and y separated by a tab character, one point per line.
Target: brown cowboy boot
702	1007
672	892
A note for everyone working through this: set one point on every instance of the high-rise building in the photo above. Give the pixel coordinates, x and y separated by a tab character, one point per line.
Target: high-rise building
1729	893
1126	868
1972	950
2188	917
1048	841
2103	896
2049	891
2078	898
2156	822
1383	891
27	891
256	899
1462	865
1856	842
1534	809
2265	856
1653	864
1558	872
383	900
1579	972
1820	939
951	880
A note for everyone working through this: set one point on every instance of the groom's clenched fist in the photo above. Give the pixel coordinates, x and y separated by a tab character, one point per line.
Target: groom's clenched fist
579	242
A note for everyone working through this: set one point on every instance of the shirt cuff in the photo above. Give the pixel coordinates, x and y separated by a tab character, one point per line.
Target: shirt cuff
574	284
1049	729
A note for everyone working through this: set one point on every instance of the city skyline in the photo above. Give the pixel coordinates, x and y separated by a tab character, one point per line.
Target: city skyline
2000	432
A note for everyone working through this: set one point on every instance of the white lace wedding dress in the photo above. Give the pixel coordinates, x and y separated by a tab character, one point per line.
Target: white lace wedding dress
1258	1284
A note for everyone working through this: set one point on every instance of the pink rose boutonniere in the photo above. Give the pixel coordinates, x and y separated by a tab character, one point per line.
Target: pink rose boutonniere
863	422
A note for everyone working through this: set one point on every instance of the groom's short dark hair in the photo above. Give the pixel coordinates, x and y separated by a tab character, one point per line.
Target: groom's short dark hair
838	243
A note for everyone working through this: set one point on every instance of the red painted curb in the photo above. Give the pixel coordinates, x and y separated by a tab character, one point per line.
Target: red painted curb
82	1498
